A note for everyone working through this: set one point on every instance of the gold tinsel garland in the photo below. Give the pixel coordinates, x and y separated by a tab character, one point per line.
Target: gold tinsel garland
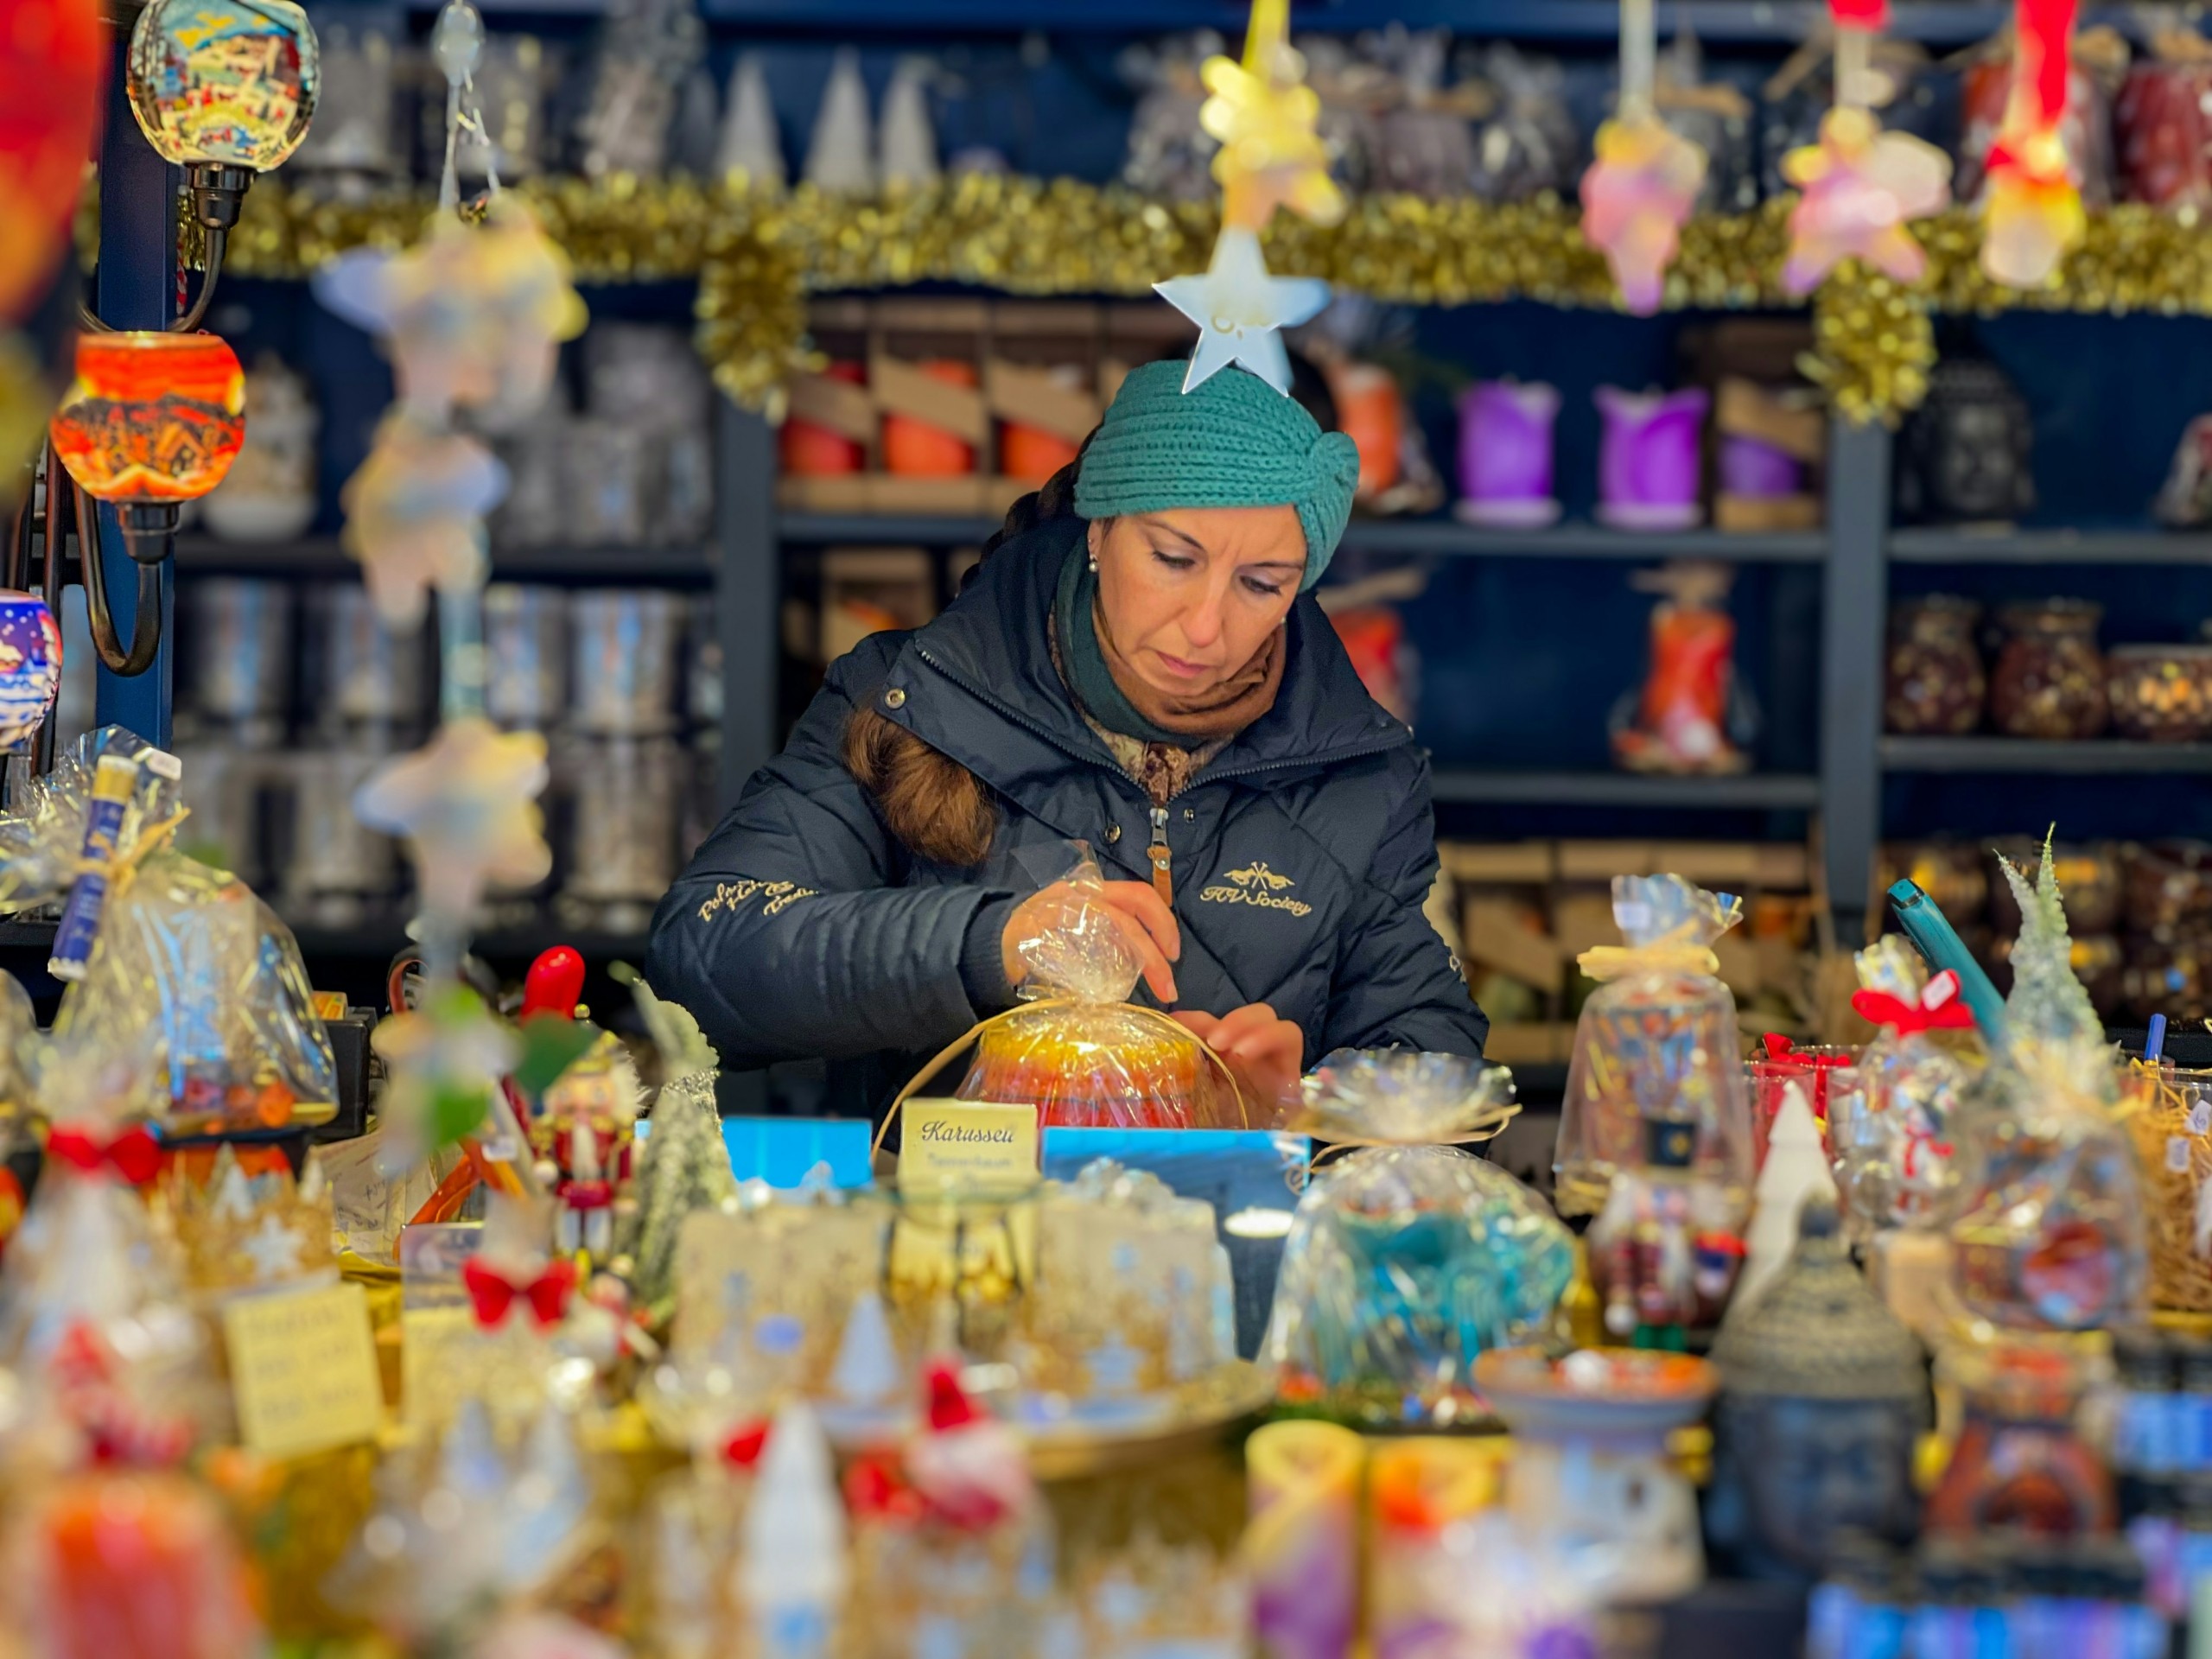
757	256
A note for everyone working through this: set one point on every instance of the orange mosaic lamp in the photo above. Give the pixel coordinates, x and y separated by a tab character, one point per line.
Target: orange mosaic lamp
152	420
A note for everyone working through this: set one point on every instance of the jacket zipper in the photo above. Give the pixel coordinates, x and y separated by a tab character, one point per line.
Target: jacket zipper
1162	883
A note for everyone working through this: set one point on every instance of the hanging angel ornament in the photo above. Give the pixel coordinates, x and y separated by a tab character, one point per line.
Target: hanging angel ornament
1861	186
1639	191
2031	206
1263	113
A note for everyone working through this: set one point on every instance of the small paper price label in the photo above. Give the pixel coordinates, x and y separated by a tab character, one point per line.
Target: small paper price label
2200	1117
2178	1154
303	1370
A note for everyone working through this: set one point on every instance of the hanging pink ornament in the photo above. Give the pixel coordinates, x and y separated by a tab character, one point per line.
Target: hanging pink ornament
1862	187
1636	198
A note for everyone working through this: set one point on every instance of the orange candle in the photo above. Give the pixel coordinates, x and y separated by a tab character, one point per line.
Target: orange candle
810	449
914	448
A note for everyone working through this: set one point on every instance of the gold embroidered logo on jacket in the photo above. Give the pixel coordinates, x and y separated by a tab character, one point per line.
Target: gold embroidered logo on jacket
1255	884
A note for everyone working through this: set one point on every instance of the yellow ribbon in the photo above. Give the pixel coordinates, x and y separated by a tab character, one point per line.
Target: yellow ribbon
958	1044
1674	954
121	867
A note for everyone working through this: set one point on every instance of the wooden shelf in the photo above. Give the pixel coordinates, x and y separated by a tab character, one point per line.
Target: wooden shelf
1753	791
2099	756
380	940
1781	23
1581	541
1407	536
2013	546
321	556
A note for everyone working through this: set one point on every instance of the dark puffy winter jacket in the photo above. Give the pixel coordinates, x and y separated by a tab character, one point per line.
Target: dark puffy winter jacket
1300	855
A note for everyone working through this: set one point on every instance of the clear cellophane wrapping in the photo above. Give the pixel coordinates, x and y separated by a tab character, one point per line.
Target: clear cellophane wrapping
190	969
1657	1038
2048	1230
1892	1114
1407	1259
1086	1055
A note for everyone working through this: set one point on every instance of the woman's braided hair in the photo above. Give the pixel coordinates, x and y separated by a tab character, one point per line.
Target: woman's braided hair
936	807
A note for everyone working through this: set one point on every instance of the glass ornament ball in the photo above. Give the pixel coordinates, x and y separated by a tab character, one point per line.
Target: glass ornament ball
151	416
30	667
230	82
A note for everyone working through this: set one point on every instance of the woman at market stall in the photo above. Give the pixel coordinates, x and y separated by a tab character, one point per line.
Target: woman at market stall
1138	664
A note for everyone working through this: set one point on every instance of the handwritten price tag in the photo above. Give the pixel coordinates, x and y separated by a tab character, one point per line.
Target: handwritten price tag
2200	1117
2178	1154
303	1370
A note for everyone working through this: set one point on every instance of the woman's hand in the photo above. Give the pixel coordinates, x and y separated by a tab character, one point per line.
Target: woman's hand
1266	1054
1138	913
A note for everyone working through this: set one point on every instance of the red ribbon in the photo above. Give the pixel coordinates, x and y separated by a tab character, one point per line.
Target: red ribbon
134	1154
1780	1051
494	1292
1859	14
1940	1008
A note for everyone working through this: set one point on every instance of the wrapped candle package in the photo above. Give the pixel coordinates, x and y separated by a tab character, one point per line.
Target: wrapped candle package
162	953
2048	1227
1656	1044
1891	1117
1081	1052
1408	1259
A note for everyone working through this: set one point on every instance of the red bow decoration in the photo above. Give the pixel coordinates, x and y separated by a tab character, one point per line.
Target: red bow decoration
1938	1009
494	1292
1859	14
875	1491
134	1154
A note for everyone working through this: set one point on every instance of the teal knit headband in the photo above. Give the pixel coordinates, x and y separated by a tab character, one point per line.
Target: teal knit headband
1232	441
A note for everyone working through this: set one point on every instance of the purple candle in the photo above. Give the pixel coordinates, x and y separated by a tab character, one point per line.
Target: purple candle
1758	471
1648	458
1505	454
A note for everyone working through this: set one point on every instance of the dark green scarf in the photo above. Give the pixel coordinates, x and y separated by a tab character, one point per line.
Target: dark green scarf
1075	630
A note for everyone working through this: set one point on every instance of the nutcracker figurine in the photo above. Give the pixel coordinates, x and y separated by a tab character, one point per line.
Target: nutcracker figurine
584	1123
1666	1247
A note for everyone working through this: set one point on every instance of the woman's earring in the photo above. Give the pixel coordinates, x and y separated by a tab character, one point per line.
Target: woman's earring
1093	564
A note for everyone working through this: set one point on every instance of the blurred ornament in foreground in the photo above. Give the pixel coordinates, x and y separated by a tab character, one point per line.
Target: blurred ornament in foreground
414	514
52	53
468	805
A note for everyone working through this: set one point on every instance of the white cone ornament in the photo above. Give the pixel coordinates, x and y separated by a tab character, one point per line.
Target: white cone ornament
749	143
909	139
1796	1167
841	157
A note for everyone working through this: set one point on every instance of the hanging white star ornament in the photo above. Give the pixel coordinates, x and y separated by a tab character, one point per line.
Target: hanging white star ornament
1239	309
